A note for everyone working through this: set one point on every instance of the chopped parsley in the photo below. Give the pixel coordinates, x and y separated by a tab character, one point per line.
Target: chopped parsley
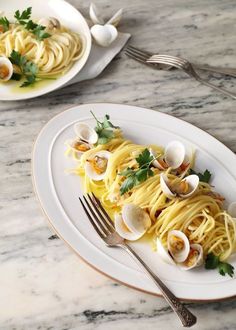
213	262
137	176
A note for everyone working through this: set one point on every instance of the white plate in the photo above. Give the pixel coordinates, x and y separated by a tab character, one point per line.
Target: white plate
69	17
58	194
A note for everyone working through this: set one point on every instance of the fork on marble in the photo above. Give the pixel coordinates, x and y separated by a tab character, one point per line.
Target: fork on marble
104	227
167	62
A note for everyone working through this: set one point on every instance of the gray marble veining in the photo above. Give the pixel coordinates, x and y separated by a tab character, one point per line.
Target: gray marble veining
43	284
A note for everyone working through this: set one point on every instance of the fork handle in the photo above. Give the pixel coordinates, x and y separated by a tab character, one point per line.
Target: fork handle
186	317
219	89
225	71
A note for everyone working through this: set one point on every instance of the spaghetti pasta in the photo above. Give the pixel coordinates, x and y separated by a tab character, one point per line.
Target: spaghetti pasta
53	56
201	216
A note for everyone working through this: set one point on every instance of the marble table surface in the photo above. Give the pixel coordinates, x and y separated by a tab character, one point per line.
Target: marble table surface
44	285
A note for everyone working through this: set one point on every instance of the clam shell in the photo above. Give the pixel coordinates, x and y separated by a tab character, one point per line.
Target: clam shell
50	22
115	20
135	219
232	210
155	163
123	231
86	133
6	63
174	154
70	143
104	35
164	186
164	255
178	256
95	14
89	169
199	259
193	182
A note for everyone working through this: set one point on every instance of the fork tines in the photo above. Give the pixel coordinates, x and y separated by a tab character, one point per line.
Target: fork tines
97	215
137	54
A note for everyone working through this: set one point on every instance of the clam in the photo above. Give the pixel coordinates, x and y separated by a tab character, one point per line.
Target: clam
6	69
194	258
184	189
115	19
165	186
174	154
50	23
178	245
132	223
85	133
78	146
159	162
163	253
104	35
96	165
232	210
95	14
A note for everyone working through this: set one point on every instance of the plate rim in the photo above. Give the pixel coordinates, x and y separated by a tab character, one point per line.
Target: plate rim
88	38
50	222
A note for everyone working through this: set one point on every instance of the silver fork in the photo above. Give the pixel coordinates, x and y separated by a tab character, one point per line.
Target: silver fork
142	56
103	225
187	67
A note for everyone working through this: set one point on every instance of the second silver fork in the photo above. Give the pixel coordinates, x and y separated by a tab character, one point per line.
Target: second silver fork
104	227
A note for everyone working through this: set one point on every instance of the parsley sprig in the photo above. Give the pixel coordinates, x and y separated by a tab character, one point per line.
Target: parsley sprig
105	129
27	68
4	23
213	262
203	177
136	176
24	19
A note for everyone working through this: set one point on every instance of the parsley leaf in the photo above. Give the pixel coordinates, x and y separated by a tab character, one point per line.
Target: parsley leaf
27	68
4	23
135	177
144	158
105	129
24	16
225	268
39	32
203	177
212	262
128	184
24	19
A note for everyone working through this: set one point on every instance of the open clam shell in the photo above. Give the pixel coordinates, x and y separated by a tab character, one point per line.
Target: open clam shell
232	209
96	165
178	245
95	14
193	182
115	19
132	223
164	181
194	258
6	69
123	230
85	133
163	253
174	154
78	146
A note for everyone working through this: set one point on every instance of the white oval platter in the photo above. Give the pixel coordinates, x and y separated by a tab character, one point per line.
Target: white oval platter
58	194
